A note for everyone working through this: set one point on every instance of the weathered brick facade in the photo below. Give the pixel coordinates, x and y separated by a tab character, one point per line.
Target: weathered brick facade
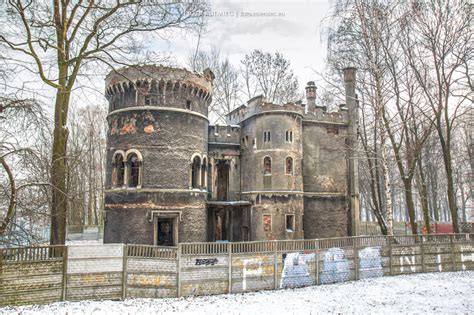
274	172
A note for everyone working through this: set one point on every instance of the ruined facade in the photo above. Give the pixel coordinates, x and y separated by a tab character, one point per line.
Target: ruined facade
273	172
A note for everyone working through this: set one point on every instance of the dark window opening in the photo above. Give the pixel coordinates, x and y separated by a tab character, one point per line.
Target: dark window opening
119	170
290	223
188	104
134	165
267	166
266	136
165	232
195	172
289	136
203	173
289	166
147	99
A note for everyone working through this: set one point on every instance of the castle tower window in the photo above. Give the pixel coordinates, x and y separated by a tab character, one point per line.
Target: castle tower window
289	136
267	166
188	104
289	166
204	173
118	170
195	172
134	170
266	136
290	223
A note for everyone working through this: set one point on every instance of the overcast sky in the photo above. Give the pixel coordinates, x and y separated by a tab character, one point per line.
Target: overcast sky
238	27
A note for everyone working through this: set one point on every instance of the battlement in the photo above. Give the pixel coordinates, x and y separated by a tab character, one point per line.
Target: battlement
224	134
259	104
322	115
152	85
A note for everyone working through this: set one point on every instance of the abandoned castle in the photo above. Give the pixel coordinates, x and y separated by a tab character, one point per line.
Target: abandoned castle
273	172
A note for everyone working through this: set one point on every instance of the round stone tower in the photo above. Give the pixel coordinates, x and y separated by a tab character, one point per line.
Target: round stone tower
271	157
156	181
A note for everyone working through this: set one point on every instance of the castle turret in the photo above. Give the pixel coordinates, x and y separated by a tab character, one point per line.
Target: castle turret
157	164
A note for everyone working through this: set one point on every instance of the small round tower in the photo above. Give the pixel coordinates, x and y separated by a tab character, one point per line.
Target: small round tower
156	180
271	156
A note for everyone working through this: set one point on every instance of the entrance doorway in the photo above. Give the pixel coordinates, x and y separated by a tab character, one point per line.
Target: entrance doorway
222	180
220	232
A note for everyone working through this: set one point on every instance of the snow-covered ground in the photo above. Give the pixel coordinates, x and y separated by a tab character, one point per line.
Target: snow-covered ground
440	293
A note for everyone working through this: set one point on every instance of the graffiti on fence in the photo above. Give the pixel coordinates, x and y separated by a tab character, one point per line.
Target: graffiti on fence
335	266
408	259
295	270
251	268
466	257
149	280
370	263
206	261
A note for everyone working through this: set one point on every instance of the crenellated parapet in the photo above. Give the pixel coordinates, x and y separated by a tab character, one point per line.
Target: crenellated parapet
321	115
224	134
159	86
259	105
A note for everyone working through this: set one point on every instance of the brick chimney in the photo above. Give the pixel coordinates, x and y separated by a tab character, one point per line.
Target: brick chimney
311	97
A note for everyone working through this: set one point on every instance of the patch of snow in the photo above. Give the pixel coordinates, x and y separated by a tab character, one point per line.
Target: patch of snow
440	293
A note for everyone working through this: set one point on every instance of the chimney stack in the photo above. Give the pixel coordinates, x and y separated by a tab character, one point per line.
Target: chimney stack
353	116
311	97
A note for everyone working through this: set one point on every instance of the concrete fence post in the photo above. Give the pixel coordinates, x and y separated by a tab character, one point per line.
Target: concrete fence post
390	263
275	265
64	279
316	256
124	272
422	248
229	251
453	253
356	258
178	271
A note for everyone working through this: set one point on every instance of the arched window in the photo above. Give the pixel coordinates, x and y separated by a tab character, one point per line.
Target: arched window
195	172
289	166
204	173
134	170
118	170
267	166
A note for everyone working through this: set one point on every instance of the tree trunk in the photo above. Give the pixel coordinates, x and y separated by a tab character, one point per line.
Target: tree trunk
410	205
423	196
448	166
59	170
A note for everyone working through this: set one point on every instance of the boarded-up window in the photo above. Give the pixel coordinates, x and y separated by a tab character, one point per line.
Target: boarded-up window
289	166
333	130
267	223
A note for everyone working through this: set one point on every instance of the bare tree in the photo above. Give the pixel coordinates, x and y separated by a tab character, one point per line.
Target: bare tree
23	196
271	75
226	84
63	39
438	45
